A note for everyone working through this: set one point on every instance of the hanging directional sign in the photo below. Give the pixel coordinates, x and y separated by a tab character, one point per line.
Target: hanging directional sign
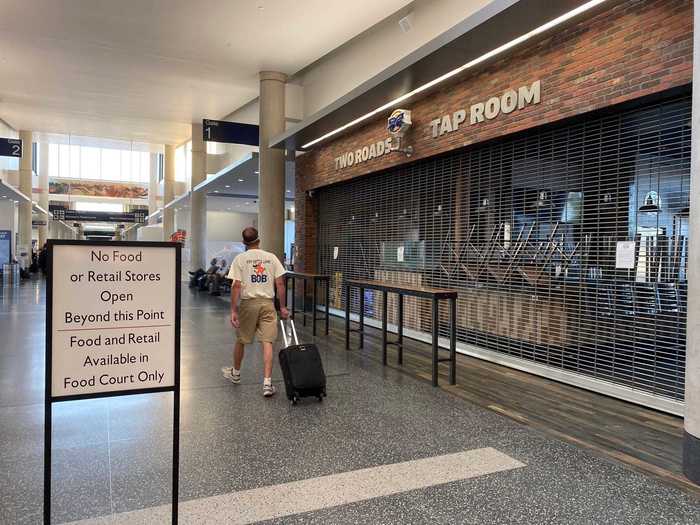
62	214
231	132
10	147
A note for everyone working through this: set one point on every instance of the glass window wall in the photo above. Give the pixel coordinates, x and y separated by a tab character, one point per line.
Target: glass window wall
73	161
113	207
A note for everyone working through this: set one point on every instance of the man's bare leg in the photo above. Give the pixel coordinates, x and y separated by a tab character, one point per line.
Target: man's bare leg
267	359
268	389
233	373
238	352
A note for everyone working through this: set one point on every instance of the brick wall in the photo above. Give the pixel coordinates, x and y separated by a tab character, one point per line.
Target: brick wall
306	209
637	48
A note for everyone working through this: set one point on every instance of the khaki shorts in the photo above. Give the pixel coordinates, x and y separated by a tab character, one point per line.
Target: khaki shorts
257	318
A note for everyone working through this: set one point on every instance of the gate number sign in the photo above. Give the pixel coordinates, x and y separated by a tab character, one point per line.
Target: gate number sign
10	147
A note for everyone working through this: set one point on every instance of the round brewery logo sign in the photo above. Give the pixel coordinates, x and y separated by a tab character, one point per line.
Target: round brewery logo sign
399	121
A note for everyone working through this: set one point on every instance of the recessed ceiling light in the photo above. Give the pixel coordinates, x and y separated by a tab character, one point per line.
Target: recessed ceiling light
240	180
216	191
228	185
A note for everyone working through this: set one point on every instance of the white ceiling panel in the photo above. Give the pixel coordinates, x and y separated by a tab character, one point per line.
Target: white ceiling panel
145	69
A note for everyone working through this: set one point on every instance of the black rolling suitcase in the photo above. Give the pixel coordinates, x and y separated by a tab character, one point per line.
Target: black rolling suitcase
302	368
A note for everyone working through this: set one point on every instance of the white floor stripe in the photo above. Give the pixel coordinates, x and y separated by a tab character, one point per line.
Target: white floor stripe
313	494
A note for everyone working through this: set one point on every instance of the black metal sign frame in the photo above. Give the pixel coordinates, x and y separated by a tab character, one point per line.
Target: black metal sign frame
49	399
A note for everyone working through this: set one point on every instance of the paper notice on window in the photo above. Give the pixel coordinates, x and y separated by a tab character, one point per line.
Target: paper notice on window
335	252
399	254
625	256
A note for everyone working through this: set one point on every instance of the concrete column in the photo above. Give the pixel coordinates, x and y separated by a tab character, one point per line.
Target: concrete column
25	186
198	201
168	191
271	180
153	188
691	444
44	189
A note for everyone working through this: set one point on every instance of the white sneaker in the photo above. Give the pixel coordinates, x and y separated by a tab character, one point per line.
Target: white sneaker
269	390
227	371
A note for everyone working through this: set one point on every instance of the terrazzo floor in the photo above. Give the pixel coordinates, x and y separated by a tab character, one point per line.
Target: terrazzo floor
113	456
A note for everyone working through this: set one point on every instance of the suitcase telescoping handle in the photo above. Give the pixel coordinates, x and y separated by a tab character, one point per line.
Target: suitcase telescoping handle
284	332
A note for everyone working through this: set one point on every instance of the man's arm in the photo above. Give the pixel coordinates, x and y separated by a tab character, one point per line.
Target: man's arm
235	294
282	296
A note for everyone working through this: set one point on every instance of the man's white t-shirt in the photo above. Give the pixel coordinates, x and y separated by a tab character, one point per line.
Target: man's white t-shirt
256	270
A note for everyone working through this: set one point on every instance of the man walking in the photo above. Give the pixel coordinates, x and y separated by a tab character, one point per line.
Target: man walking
255	274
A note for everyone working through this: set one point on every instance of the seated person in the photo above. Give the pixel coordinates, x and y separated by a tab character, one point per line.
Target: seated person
217	278
204	279
195	276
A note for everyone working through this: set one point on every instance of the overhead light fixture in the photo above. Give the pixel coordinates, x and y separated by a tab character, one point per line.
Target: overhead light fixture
240	180
490	54
228	185
651	203
652	200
